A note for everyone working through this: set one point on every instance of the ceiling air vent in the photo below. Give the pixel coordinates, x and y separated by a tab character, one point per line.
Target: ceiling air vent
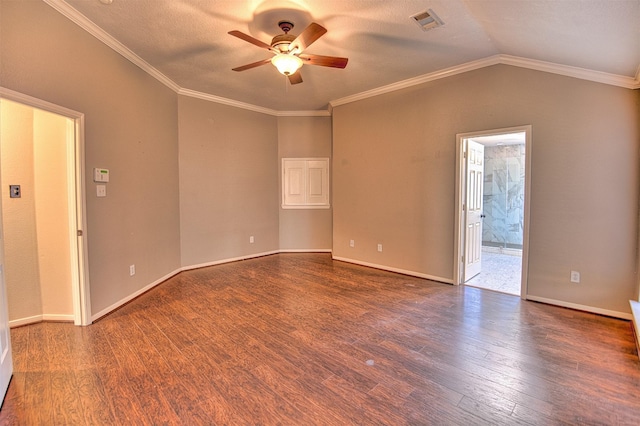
427	20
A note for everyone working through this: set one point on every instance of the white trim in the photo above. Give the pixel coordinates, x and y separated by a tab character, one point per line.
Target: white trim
148	287
585	308
89	26
93	29
318	113
25	321
237	104
396	270
12	95
39	318
234	259
459	194
132	296
82	300
581	73
437	75
226	101
569	71
304	206
306	250
57	317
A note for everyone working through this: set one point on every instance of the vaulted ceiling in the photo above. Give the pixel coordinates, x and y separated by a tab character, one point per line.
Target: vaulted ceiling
185	43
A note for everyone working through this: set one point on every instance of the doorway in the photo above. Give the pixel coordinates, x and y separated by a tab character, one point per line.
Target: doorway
495	257
41	119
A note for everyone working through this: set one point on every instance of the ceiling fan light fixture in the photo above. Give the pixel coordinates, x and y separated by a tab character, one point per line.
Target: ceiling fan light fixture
286	64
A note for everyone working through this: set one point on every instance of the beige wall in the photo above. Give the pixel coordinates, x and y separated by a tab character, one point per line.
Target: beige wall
394	177
301	137
131	129
22	276
52	213
228	182
180	198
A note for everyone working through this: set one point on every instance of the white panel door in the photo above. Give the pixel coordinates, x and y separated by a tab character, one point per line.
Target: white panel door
318	182
294	175
473	209
6	363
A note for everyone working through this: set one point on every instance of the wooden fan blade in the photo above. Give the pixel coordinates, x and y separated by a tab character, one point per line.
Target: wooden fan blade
295	78
252	65
324	61
308	36
247	37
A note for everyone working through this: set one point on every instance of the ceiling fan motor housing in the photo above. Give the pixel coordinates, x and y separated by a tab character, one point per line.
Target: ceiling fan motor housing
281	42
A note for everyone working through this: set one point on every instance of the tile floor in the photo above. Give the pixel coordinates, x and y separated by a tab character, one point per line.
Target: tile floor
500	272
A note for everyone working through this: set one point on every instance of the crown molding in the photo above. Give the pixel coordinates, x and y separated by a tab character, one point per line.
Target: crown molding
597	76
226	101
312	113
575	72
447	72
90	27
550	67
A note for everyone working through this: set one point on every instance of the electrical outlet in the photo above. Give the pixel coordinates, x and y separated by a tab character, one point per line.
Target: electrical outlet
252	240
14	191
352	243
380	247
575	276
132	270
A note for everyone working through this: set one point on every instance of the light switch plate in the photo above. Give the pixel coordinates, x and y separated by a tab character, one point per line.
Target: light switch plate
101	190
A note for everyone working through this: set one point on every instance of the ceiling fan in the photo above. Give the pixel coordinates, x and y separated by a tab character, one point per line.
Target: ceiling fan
287	50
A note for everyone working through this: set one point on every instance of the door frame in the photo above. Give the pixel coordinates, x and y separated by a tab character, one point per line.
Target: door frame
77	202
459	248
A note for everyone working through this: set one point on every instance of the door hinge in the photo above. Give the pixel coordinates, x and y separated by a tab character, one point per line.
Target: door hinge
79	232
462	259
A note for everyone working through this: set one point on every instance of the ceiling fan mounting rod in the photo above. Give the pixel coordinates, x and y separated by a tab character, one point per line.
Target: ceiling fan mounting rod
285	26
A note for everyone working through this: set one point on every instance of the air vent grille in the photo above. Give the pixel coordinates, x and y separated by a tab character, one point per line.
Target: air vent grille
427	20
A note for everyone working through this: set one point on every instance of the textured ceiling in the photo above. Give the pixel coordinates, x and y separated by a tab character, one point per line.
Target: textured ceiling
187	40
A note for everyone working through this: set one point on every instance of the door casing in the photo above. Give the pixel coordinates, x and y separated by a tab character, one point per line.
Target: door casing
77	204
459	247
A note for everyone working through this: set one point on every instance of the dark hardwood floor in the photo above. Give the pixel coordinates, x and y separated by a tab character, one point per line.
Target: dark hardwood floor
299	339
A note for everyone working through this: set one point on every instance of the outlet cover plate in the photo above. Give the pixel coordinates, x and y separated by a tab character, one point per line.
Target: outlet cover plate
14	191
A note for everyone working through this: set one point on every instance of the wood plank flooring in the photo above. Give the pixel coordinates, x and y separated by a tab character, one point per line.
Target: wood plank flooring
299	339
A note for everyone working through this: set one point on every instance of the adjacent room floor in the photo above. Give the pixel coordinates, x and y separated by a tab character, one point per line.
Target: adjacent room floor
500	272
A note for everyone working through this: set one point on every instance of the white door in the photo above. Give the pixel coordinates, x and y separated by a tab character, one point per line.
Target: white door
473	209
6	364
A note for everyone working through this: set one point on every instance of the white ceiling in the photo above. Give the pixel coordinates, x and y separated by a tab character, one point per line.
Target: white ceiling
187	41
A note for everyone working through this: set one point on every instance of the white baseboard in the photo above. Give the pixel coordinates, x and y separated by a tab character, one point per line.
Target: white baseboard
39	318
58	317
233	259
25	321
397	270
591	309
133	296
305	251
